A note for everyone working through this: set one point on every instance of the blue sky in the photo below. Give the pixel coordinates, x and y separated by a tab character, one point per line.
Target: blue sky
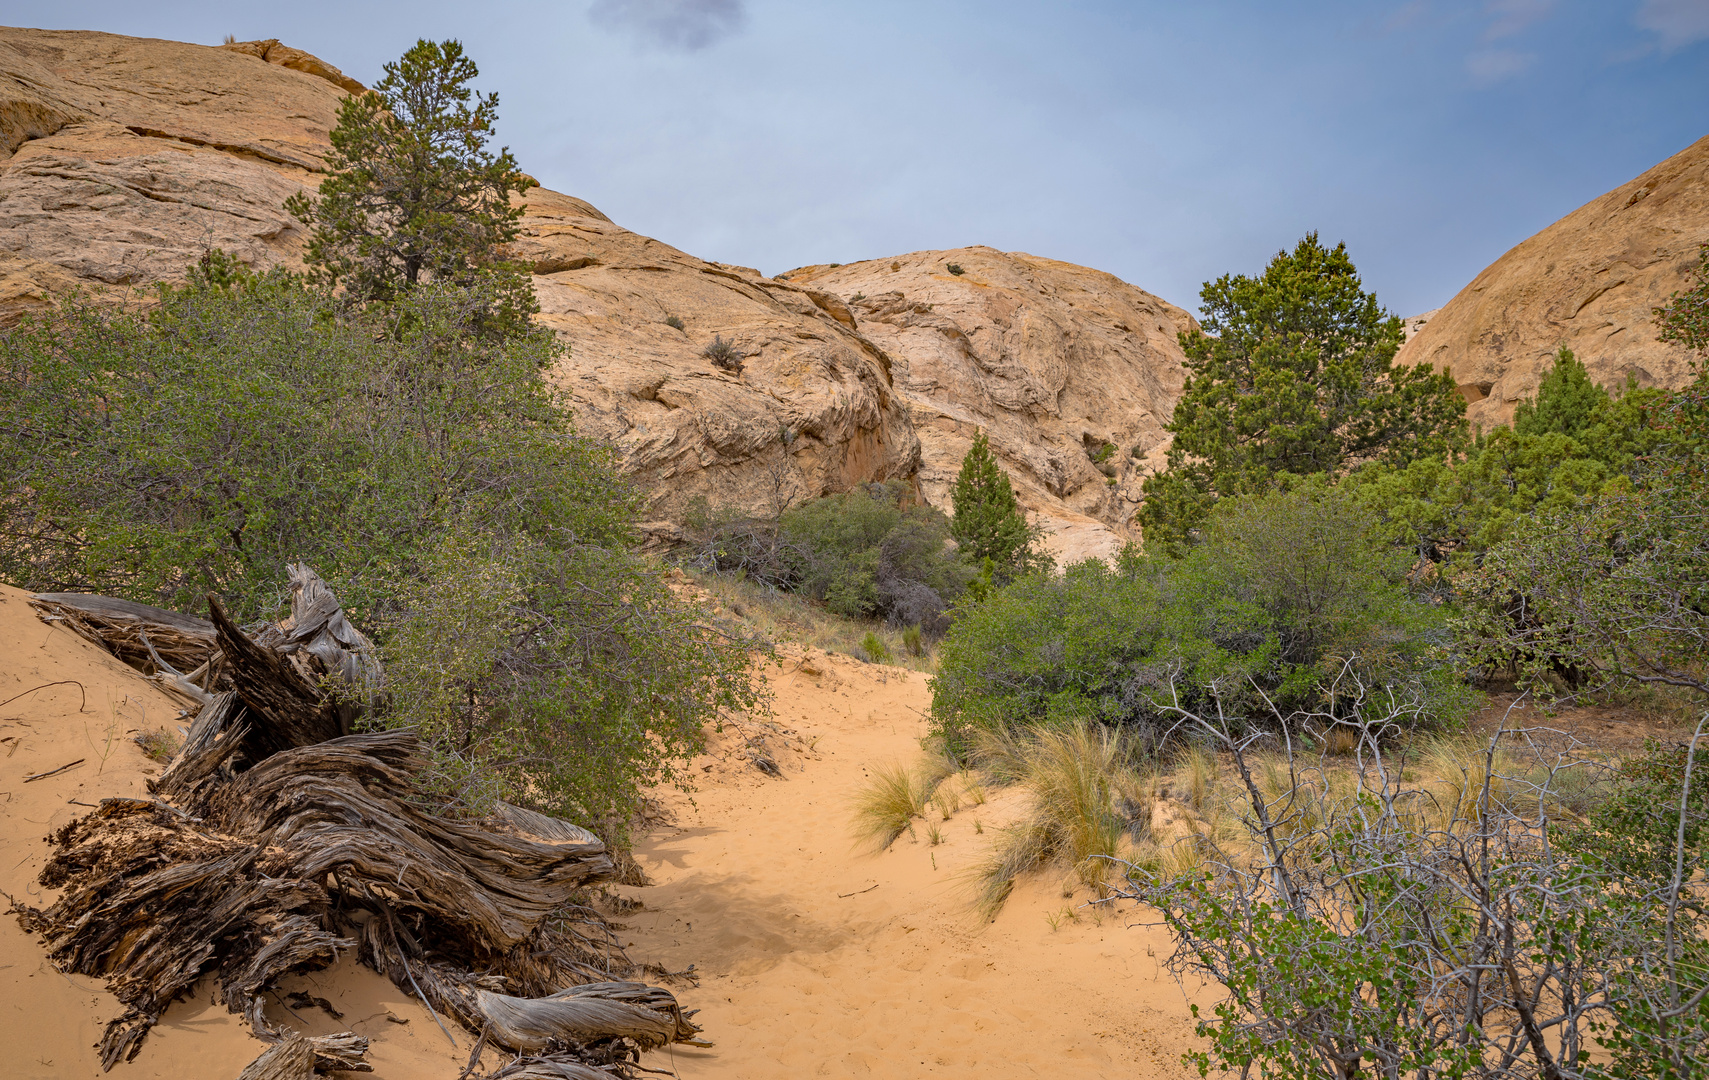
1164	142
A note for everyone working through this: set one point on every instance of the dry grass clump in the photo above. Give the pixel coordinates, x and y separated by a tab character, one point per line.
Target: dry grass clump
1340	741
1088	797
1001	753
895	795
1196	775
887	807
1465	768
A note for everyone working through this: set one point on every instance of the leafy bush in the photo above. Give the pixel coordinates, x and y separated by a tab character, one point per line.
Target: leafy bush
675	322
1282	585
954	268
569	677
240	426
865	553
1685	317
1612	586
1572	442
427	472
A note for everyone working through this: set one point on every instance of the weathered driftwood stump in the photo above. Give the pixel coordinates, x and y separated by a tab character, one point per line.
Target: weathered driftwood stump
277	840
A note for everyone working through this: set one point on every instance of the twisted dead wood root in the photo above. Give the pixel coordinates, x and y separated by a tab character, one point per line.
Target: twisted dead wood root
275	843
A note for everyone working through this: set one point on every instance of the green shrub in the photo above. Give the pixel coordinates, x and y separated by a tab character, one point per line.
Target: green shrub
426	471
912	641
954	268
675	323
1572	442
865	553
873	646
1283	586
244	425
569	678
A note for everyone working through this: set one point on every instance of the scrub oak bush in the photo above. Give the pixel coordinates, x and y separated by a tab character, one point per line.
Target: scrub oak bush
1282	585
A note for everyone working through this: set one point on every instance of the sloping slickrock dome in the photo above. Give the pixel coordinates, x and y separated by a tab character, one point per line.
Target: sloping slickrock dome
1589	282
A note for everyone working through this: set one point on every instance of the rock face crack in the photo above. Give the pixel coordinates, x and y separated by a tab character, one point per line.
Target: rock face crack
279	157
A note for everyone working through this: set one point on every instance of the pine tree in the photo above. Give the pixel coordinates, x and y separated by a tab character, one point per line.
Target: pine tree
415	195
988	522
1293	372
1567	402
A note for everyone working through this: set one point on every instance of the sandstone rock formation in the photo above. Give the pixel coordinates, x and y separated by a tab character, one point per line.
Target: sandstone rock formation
1072	373
1589	282
123	159
812	409
127	158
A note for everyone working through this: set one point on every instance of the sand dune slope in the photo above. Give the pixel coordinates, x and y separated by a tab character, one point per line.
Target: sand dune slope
900	979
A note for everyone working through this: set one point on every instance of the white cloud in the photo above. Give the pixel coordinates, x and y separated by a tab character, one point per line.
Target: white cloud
1510	17
1677	22
688	25
1490	66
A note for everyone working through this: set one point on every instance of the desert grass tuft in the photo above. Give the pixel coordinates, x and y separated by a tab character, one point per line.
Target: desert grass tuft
1082	778
888	805
1002	753
975	792
1464	768
1196	772
1341	741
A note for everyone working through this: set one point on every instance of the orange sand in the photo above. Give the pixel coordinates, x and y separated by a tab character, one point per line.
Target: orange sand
800	979
50	1022
900	980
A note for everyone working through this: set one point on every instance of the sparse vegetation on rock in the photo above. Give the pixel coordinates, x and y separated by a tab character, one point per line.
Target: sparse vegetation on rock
723	354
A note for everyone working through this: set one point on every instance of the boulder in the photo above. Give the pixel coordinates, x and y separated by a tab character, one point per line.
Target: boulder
123	159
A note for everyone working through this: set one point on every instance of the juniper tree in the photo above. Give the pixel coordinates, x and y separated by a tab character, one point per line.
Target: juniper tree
988	522
1293	372
415	194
